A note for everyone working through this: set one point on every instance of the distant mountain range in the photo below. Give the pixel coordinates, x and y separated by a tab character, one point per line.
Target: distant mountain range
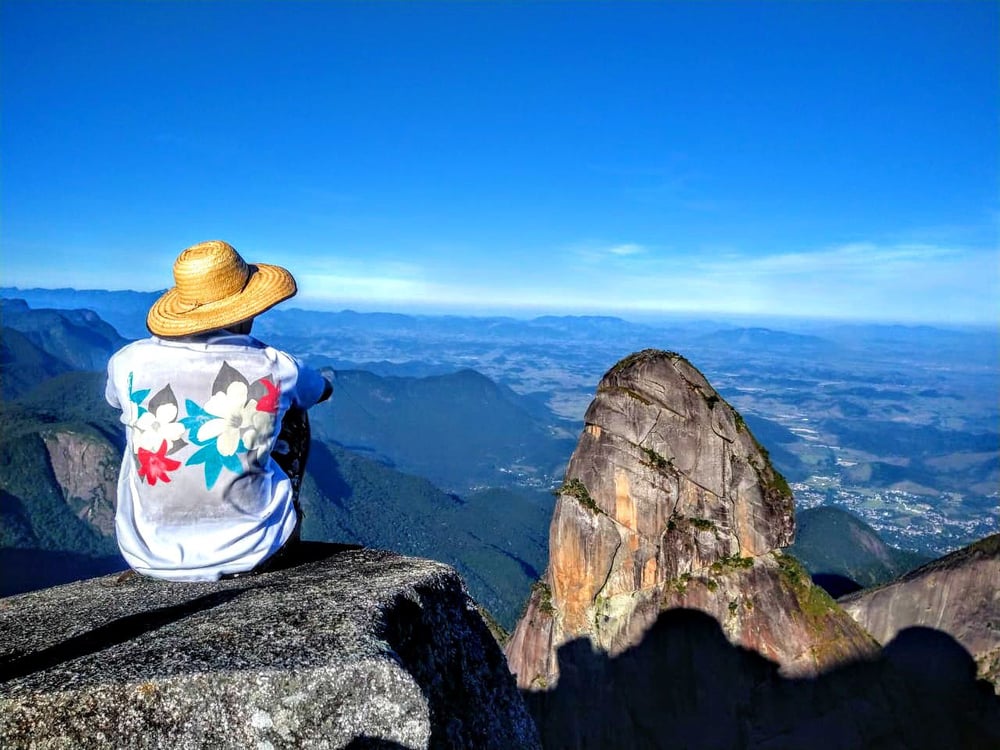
464	457
124	310
78	337
751	338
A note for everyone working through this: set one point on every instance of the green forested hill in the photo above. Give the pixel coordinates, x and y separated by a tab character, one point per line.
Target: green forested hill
24	364
46	535
497	539
460	430
833	541
35	512
80	338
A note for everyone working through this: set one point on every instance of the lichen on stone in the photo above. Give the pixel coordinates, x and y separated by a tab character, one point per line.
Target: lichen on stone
703	524
813	600
544	597
656	461
731	562
575	488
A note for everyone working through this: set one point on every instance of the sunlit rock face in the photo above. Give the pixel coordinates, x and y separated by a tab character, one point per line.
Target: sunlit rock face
670	502
958	594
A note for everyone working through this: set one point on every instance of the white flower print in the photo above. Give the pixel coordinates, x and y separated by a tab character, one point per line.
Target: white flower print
233	414
155	428
258	437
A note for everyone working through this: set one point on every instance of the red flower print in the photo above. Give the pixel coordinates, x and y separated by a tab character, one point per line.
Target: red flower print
269	401
154	466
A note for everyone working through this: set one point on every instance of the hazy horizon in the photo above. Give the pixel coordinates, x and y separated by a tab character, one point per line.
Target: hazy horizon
804	322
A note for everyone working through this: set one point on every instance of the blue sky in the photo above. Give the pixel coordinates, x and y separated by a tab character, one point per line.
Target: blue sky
836	159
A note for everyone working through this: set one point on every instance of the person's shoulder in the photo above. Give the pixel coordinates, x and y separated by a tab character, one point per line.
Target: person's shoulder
273	350
133	347
126	358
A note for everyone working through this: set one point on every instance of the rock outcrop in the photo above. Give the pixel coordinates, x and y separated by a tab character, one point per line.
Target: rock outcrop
670	502
958	594
668	617
341	647
86	468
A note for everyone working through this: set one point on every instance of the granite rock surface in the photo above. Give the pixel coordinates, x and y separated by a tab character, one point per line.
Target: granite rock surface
670	501
958	594
86	469
339	647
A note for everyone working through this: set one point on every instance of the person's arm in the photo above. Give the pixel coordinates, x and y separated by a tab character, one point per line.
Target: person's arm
327	389
311	386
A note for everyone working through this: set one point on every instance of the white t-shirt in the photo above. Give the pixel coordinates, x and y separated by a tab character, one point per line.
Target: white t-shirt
199	495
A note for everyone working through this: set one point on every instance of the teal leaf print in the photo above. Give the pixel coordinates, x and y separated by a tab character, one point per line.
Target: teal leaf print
213	462
194	420
233	463
137	397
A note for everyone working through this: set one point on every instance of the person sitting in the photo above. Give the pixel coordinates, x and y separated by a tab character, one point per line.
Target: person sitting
200	495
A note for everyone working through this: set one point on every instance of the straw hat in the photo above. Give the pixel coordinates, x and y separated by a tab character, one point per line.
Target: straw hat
216	288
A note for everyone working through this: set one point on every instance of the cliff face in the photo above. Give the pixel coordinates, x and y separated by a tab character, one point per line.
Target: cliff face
670	502
86	469
958	594
346	647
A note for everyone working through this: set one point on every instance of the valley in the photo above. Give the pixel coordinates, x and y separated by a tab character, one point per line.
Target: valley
446	435
900	425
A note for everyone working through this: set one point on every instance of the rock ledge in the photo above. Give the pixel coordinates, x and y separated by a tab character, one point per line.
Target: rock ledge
342	647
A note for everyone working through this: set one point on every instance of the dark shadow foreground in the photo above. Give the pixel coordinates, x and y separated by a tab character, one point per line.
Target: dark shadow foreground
686	686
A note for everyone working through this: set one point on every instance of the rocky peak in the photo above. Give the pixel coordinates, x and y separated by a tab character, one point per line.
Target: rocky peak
662	450
670	503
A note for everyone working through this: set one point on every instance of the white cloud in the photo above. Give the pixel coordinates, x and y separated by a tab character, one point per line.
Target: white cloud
871	280
862	258
629	248
348	287
906	282
596	253
860	280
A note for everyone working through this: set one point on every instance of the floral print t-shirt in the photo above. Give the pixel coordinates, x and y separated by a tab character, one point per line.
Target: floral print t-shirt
199	495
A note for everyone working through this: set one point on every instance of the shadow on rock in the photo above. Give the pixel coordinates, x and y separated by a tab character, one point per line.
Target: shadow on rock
835	584
117	631
374	743
455	690
686	686
303	553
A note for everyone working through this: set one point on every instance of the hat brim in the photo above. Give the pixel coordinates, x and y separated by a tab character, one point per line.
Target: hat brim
267	286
